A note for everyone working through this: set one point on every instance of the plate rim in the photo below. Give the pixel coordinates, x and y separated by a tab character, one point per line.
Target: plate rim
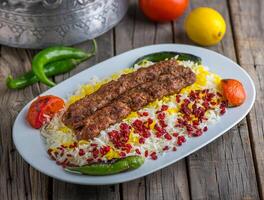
163	165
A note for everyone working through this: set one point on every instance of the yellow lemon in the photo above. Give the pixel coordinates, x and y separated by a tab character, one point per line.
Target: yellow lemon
205	26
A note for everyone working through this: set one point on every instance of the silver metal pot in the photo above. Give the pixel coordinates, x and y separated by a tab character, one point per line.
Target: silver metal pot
42	23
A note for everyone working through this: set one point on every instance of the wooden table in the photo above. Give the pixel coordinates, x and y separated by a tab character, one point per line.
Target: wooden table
232	167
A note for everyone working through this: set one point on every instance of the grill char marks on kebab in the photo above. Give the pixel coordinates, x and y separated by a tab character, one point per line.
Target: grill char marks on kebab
88	105
133	100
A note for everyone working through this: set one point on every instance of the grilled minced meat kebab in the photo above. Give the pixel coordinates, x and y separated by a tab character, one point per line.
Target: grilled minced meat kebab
133	100
112	90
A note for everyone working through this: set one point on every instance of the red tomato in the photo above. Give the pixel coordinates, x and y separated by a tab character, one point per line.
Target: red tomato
163	10
233	91
43	108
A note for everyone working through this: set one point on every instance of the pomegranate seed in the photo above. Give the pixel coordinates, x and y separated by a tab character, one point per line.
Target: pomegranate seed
182	138
95	153
223	104
150	121
192	96
168	136
205	129
197	133
174	149
220	95
157	128
122	154
111	134
186	110
178	98
175	134
164	107
145	113
196	122
185	123
146	134
124	126
128	148
222	111
89	160
179	142
161	116
107	148
186	101
146	153
163	131
141	140
137	123
195	127
153	156
158	134
213	103
102	151
211	95
187	117
165	148
180	121
206	104
162	124
138	151
157	112
189	128
81	152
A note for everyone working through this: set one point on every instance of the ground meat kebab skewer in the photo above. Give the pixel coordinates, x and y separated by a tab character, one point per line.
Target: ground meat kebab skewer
102	97
133	100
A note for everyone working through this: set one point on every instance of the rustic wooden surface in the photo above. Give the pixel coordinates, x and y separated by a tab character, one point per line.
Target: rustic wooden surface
232	167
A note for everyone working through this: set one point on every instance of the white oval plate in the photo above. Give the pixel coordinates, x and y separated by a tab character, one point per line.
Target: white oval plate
30	145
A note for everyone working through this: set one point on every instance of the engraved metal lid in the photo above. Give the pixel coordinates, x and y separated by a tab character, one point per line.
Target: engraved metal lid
41	23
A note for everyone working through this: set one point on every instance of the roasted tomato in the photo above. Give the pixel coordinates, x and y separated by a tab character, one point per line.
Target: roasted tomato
233	91
163	10
43	109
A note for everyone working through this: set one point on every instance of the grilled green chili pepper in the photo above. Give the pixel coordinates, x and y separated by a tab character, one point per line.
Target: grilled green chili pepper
54	54
100	169
50	69
160	56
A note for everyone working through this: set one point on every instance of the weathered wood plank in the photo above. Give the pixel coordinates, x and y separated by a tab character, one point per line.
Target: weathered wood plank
170	183
223	169
18	180
247	17
66	191
62	190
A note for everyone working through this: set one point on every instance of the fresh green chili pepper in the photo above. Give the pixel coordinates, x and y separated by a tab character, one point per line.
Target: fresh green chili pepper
54	54
50	69
100	169
160	56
